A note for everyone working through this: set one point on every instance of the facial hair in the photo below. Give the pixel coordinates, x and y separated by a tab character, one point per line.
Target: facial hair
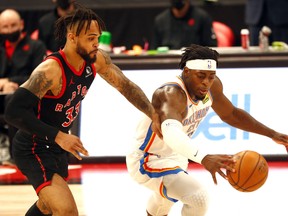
85	55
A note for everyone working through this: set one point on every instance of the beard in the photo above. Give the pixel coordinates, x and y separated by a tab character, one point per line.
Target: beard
85	55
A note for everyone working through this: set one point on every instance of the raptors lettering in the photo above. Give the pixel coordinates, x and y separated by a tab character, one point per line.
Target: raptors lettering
73	111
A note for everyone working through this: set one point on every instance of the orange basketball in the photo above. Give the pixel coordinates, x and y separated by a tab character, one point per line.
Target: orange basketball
251	171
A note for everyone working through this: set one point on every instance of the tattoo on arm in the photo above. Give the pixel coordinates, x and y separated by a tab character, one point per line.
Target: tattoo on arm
132	92
106	57
59	87
115	77
136	96
39	84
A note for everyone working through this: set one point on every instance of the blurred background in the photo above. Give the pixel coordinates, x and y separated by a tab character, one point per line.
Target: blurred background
131	21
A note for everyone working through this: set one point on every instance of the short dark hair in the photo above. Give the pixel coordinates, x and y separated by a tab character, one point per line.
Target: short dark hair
80	16
195	51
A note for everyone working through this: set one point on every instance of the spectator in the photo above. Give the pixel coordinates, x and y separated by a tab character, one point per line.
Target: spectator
181	25
270	13
19	55
47	23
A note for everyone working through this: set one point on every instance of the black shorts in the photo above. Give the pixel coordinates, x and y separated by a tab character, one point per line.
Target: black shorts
39	160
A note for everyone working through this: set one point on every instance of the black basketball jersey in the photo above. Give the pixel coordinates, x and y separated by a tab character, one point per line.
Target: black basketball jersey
60	111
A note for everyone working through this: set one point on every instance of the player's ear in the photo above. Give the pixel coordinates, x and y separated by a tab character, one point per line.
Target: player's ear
185	71
71	37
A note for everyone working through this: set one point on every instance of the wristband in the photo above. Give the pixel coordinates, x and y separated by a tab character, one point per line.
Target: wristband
175	138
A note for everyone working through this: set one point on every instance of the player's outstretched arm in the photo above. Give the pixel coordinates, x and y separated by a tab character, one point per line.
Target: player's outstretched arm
240	118
132	92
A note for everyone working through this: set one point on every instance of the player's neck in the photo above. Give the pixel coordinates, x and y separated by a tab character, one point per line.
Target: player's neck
73	58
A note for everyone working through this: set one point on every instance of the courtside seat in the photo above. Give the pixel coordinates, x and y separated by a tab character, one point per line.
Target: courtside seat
225	35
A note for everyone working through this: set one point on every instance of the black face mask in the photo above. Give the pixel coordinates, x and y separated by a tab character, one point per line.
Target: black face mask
1	39
178	4
12	37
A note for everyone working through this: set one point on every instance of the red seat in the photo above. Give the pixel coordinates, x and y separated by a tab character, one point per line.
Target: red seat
34	34
224	34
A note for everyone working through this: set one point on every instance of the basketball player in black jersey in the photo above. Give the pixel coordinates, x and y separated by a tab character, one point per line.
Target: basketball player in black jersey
45	106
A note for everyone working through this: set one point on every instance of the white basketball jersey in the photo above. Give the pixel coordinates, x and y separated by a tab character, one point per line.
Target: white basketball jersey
154	148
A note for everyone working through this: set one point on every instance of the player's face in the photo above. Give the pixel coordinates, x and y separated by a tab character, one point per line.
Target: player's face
198	82
87	45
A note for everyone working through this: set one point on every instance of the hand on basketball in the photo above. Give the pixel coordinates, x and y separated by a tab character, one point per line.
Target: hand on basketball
71	144
214	163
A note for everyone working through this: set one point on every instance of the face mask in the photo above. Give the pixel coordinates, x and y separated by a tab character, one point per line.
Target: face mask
12	37
1	39
178	4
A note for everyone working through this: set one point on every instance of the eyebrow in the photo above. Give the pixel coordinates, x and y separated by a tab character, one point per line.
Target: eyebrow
93	34
204	72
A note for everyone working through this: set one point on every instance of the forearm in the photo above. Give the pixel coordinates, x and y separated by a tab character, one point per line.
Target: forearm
20	113
136	96
177	140
244	121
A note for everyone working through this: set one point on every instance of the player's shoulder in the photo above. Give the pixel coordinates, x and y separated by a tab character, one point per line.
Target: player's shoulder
217	86
50	64
103	59
169	89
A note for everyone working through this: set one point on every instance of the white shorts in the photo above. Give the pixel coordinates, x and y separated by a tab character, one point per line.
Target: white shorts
149	170
168	187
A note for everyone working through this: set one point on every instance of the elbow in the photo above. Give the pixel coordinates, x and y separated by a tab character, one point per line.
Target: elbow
8	117
12	118
225	119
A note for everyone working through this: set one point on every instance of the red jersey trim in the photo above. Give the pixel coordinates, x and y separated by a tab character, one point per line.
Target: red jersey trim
94	70
78	73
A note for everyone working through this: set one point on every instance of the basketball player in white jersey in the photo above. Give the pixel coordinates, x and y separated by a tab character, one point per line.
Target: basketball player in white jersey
161	164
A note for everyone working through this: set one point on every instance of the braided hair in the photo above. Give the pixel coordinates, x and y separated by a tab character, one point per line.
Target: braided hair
197	52
79	17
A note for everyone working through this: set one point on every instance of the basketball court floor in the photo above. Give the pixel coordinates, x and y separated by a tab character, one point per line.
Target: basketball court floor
106	189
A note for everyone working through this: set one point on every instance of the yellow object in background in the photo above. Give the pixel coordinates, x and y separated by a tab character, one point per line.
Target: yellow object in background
279	45
137	49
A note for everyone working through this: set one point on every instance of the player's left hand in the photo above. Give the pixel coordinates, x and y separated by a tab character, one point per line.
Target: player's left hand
215	163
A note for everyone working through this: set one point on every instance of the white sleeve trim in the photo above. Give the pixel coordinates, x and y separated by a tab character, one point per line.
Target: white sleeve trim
175	138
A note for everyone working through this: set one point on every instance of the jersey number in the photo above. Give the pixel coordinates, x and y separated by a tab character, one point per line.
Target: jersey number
69	115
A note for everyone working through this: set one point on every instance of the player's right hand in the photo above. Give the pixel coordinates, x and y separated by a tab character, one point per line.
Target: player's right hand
214	163
71	143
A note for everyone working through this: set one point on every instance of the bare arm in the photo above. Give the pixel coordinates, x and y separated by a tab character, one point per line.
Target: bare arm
47	77
170	103
239	118
133	93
